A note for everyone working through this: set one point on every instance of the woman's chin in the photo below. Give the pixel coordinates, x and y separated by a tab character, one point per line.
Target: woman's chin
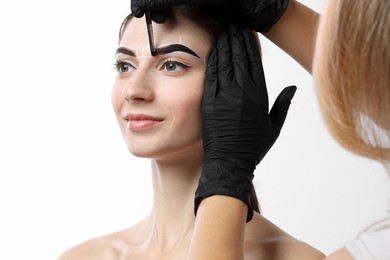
141	153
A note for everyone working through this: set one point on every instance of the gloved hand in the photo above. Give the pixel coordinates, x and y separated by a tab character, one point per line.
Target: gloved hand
237	129
258	15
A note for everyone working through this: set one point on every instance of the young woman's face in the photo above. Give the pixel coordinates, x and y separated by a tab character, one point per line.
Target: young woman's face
157	99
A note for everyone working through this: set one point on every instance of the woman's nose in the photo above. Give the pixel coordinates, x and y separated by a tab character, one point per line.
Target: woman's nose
139	88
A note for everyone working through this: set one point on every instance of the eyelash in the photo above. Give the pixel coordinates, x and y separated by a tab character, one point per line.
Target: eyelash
118	65
184	66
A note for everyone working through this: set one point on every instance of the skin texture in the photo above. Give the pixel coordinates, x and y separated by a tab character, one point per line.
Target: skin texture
145	85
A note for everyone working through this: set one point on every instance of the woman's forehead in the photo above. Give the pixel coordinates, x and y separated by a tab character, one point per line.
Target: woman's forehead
181	31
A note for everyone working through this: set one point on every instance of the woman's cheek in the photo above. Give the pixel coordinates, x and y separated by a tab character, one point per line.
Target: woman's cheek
116	98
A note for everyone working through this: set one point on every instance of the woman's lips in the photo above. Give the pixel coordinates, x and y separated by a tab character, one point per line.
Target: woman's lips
139	125
140	122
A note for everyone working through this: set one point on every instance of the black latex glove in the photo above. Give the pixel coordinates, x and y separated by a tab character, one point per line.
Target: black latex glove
237	129
258	15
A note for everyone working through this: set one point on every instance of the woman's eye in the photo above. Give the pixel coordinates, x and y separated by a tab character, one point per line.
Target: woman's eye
122	67
174	66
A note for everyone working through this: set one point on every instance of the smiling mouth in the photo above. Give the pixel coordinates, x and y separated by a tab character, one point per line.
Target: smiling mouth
140	125
139	122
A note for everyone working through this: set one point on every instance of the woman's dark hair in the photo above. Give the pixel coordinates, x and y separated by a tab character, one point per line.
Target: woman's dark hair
213	21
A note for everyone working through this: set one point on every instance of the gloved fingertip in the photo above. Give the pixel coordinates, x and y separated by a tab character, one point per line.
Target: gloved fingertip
223	44
280	108
288	93
160	16
137	12
212	56
211	68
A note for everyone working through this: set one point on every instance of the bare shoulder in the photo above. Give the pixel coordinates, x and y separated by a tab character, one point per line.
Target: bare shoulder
96	248
264	239
117	245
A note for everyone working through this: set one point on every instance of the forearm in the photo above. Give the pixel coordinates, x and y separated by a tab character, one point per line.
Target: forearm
219	229
295	33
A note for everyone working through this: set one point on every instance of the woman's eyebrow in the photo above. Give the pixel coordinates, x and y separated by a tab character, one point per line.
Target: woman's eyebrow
125	51
173	48
161	50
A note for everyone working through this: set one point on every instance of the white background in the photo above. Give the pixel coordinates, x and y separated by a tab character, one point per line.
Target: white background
66	175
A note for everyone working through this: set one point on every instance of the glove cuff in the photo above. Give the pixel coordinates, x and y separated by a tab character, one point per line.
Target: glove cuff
225	178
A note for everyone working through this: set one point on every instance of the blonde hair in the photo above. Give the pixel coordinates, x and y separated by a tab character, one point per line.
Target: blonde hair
352	75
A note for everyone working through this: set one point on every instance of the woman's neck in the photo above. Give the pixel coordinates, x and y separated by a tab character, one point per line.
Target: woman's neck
174	183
